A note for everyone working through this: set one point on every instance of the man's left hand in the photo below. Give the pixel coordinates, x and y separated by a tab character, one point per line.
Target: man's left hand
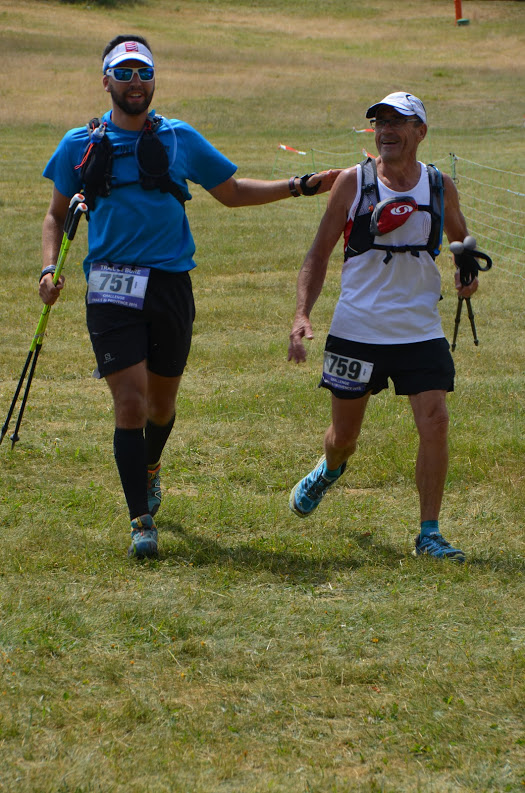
465	291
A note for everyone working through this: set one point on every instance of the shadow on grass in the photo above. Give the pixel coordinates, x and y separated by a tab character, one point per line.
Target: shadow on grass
297	567
315	569
500	562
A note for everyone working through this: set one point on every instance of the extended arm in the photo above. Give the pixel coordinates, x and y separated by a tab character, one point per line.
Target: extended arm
252	192
313	271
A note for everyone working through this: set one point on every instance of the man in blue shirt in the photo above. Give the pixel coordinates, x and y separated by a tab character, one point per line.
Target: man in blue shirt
139	301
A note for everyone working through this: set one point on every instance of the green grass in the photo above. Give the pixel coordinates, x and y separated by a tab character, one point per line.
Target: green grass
261	653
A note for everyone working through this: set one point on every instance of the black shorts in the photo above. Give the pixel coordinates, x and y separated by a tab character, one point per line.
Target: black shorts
421	366
159	333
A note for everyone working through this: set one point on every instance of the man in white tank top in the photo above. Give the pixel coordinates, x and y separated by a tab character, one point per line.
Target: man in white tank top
386	323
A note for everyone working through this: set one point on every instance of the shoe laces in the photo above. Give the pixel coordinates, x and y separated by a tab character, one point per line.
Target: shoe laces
317	485
435	539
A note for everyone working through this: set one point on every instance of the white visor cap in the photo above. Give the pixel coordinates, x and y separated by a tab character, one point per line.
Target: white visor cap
128	50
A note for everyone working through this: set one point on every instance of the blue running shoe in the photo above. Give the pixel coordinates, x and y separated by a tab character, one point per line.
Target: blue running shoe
143	538
307	494
154	493
436	545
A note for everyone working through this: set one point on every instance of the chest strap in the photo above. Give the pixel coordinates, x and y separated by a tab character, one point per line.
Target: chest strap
360	238
96	167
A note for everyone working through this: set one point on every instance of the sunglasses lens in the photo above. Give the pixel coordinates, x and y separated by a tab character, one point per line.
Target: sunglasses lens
122	75
147	73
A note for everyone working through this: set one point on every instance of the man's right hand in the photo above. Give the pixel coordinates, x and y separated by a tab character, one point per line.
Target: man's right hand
302	329
48	291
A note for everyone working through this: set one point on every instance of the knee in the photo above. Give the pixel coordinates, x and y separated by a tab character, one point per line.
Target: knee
130	410
434	424
161	411
161	398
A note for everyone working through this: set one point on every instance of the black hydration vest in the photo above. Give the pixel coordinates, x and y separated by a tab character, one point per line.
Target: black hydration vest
361	239
96	167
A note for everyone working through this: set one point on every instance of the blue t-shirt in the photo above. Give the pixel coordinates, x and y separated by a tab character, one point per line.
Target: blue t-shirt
133	225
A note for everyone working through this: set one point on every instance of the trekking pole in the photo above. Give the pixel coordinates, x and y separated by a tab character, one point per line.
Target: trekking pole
467	259
458	318
77	208
471	318
456	322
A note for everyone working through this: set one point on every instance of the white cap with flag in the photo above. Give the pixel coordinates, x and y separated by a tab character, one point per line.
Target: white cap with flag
406	104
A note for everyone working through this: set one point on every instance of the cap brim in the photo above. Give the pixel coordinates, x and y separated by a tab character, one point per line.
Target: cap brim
371	112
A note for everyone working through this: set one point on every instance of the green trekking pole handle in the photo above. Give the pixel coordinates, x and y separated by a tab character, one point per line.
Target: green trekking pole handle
76	209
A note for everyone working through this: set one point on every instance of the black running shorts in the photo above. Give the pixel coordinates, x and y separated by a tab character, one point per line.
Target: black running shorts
159	333
352	369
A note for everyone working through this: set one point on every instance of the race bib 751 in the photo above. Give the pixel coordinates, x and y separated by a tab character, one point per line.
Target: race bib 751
124	285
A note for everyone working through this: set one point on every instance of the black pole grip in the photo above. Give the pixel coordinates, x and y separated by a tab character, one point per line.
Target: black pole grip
469	266
72	220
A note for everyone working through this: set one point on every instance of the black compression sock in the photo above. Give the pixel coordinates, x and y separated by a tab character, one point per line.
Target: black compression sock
130	455
156	436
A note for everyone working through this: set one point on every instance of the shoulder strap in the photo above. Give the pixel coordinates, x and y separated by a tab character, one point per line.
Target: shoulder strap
369	188
153	162
97	163
437	209
360	239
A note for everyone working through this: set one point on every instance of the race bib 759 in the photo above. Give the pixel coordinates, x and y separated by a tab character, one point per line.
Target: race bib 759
346	374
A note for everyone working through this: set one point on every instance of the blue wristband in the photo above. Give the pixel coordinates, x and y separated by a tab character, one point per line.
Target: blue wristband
47	271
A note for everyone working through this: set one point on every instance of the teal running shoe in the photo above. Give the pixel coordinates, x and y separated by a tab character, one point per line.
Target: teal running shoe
143	538
436	545
307	494
154	493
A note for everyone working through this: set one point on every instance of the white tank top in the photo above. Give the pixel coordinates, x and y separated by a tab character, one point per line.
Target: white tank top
394	303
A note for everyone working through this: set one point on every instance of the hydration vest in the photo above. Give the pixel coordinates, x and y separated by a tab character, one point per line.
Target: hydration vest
361	239
96	167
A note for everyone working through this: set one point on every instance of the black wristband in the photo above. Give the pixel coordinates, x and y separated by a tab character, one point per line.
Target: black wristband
309	190
292	187
47	271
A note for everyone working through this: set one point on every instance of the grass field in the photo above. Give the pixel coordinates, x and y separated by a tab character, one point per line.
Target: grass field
261	653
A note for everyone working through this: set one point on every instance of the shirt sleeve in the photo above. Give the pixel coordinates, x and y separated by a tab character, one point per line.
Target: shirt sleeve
68	154
205	165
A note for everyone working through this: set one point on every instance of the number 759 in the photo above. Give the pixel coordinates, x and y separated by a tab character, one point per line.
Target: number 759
344	367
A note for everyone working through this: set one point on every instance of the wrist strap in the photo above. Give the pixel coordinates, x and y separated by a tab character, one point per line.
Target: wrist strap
292	187
309	190
47	271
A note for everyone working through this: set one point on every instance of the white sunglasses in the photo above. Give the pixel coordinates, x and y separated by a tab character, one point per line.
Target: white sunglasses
124	74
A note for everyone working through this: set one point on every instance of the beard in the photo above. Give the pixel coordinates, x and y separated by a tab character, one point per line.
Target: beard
131	108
